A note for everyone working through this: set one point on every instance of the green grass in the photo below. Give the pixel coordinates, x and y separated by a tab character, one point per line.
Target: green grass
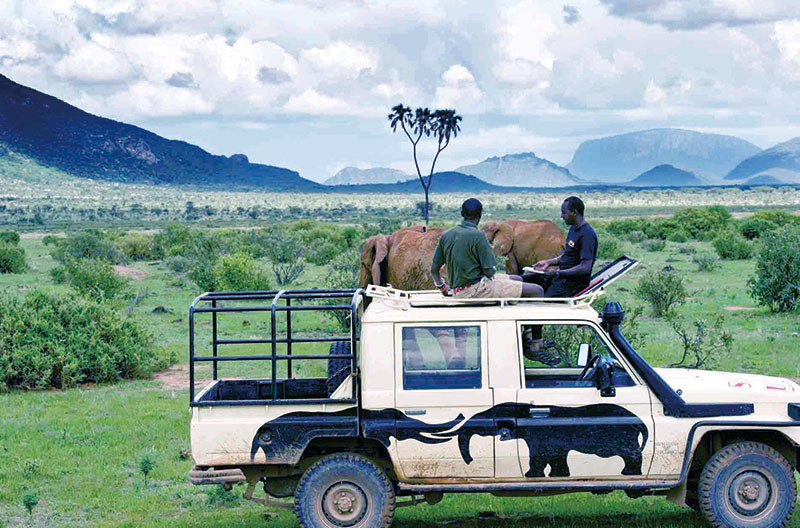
80	449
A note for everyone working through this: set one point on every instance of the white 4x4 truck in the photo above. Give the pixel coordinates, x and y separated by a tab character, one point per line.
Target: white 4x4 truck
430	395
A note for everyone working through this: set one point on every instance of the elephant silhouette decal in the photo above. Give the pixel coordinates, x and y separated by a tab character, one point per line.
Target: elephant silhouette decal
605	430
287	434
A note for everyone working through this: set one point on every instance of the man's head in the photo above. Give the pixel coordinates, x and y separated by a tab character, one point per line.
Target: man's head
572	210
471	210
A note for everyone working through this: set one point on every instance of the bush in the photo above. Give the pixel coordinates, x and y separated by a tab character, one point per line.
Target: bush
776	283
664	290
136	246
700	222
342	273
53	341
177	263
655	245
91	277
706	261
12	259
707	340
91	244
239	272
753	227
636	237
730	245
608	246
9	237
678	236
286	253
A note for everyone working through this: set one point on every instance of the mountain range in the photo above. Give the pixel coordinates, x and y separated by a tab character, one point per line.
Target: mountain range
780	163
52	133
623	157
60	135
521	170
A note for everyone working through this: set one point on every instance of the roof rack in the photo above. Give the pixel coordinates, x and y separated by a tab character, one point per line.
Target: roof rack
597	283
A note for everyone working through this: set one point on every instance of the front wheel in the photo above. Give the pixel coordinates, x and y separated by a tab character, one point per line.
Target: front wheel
747	485
344	491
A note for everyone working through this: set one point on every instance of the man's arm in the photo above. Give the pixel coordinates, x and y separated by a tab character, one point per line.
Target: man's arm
436	265
588	251
546	263
485	257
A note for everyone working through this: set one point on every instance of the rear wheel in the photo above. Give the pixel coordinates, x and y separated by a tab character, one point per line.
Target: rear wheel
344	491
747	484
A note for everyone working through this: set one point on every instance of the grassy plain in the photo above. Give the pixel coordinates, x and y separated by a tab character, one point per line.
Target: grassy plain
80	450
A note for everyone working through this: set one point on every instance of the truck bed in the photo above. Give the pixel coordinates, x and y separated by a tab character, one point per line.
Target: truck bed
249	390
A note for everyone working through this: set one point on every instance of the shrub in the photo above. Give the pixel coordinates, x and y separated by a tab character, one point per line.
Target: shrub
678	235
636	237
776	283
286	253
707	340
701	222
177	263
706	261
655	245
608	246
730	245
239	272
58	341
12	259
663	290
9	237
91	244
91	277
754	227
136	246
342	273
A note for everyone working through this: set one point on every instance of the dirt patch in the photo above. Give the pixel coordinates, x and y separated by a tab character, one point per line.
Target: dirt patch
175	377
133	273
735	308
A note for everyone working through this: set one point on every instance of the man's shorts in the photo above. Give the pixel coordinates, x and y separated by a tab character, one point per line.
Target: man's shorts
499	286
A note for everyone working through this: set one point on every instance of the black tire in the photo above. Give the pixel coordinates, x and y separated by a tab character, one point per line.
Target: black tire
338	369
344	491
747	484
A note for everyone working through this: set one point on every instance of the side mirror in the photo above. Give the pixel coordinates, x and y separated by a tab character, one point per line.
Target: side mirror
603	379
584	353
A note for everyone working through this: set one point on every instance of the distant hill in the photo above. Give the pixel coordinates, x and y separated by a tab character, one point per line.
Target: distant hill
57	134
667	176
355	176
449	181
764	179
781	162
621	158
521	170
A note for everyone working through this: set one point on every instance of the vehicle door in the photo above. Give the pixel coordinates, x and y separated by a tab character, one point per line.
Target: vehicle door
442	379
569	428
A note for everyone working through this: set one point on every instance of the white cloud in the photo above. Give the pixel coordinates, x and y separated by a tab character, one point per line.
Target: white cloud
95	62
787	36
144	98
341	59
693	14
459	90
312	102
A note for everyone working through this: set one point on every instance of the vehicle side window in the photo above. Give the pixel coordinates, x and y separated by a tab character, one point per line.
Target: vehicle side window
558	361
441	357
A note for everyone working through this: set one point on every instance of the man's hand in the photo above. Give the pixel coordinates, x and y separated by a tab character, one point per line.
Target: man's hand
542	265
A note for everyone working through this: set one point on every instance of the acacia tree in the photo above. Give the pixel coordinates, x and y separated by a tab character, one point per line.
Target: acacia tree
442	124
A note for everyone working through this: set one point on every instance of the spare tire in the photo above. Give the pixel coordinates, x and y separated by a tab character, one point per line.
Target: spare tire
338	368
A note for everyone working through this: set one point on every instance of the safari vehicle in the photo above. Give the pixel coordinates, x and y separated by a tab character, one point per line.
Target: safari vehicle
430	395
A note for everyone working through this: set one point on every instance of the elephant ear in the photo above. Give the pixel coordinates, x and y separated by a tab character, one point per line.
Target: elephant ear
373	253
501	236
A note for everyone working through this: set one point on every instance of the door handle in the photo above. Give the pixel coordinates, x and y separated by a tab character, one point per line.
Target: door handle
539	412
415	412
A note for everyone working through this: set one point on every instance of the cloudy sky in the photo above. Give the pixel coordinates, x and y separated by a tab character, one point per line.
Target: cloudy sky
307	84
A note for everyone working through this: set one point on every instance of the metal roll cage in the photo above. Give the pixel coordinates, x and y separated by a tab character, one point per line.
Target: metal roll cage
209	303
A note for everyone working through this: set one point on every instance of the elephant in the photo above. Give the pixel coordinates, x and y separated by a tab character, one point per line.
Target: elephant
402	259
524	243
554	431
285	437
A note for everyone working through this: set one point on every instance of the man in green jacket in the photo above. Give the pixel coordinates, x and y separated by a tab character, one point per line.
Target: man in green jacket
470	264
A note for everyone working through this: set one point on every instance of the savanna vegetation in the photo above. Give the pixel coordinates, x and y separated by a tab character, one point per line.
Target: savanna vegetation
88	317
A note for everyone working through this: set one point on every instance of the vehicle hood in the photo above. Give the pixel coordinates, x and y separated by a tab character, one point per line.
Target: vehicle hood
701	386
